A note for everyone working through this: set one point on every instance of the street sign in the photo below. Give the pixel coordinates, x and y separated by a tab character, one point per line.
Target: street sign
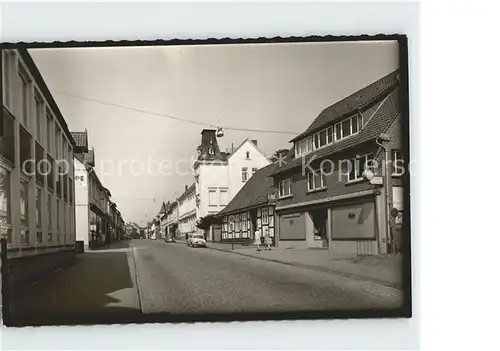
377	181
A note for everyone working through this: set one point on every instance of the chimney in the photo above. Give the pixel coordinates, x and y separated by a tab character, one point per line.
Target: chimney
185	188
254	142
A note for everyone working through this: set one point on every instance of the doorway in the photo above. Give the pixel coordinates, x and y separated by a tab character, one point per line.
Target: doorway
320	218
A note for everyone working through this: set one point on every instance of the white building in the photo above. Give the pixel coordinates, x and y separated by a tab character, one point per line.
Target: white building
187	211
37	210
219	176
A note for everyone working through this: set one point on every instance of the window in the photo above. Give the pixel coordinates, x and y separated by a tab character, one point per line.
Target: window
244	174
238	224
50	172
39	165
223	197
5	213
210	150
24	95
7	88
316	180
358	165
212	197
285	188
247	155
39	208
254	170
348	126
265	216
49	128
39	117
26	161
397	163
7	136
25	235
49	212
58	215
304	146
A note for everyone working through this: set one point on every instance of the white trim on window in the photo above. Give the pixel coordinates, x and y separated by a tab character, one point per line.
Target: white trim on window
355	126
311	179
285	188
359	167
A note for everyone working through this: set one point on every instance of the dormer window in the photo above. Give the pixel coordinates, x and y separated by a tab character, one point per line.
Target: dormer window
210	150
348	127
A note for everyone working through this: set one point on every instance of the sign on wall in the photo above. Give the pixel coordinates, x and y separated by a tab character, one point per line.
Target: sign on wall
80	181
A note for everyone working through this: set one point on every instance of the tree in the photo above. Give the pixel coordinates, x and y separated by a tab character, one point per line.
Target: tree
206	222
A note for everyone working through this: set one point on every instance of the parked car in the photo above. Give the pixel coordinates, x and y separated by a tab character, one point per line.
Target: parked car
170	239
196	240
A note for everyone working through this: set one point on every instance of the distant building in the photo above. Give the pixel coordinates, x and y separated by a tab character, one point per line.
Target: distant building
187	211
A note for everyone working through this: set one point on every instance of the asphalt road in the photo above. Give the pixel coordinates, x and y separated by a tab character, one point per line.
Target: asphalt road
143	276
175	278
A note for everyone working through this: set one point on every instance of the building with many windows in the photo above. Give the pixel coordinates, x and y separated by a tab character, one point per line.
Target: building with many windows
37	210
219	176
342	181
187	211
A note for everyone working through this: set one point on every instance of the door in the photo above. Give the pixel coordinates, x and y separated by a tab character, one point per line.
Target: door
319	218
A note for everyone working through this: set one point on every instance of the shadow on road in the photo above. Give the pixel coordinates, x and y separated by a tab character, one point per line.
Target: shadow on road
97	288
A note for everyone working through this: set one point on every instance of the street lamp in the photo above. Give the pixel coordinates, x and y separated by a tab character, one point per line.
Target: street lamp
384	138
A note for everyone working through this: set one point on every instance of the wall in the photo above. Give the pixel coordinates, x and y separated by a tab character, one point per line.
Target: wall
42	238
238	160
81	203
211	176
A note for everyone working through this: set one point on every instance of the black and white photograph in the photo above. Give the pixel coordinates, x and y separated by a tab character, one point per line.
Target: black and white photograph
205	180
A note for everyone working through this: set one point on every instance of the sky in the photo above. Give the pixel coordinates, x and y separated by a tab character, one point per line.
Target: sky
144	158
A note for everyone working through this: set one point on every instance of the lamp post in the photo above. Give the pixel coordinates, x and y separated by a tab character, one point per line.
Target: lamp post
384	138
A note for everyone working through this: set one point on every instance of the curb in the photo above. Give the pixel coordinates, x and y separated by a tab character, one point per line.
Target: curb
318	269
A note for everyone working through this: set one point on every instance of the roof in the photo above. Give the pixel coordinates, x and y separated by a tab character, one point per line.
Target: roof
386	112
190	189
37	76
351	104
254	192
209	140
243	143
81	139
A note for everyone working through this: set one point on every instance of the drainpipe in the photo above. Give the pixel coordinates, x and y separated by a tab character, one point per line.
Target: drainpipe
386	188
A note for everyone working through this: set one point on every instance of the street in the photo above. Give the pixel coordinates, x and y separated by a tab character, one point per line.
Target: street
176	279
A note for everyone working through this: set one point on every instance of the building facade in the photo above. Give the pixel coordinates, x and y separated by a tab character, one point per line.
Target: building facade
334	191
173	220
187	212
251	210
219	176
37	210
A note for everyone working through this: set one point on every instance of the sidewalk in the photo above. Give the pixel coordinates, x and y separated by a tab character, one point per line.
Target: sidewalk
383	270
100	284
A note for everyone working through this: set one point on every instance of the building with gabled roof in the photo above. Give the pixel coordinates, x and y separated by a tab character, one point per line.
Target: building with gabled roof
326	197
220	175
252	208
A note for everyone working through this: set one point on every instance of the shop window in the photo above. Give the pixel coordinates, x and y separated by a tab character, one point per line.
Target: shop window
24	213
5	206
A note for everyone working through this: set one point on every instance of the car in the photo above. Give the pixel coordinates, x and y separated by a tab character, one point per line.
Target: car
169	239
197	240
